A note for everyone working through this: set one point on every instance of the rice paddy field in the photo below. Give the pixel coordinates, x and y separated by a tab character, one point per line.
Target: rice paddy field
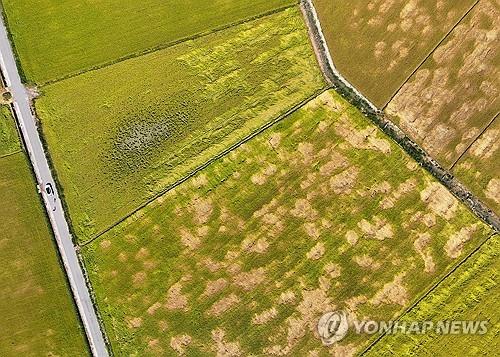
469	293
38	315
120	135
9	142
54	39
319	212
377	44
478	168
453	96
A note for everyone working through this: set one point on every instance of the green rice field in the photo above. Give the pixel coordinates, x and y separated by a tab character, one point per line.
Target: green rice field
9	142
38	315
120	135
319	212
54	39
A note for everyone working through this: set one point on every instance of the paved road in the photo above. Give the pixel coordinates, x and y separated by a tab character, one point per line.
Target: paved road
53	205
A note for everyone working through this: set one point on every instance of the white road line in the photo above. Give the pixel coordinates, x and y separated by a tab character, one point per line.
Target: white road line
27	124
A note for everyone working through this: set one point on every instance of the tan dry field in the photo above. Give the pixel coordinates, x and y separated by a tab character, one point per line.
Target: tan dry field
450	100
377	44
479	167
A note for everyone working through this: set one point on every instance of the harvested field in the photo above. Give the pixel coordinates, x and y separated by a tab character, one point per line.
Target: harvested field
231	263
38	315
58	38
479	170
377	44
469	293
121	134
9	141
455	94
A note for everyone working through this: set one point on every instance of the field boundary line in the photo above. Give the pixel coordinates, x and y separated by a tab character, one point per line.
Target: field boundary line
431	289
445	36
378	117
168	44
474	141
220	155
11	153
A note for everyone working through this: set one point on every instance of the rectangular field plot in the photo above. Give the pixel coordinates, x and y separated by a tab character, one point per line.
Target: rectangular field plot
377	44
121	134
319	212
454	94
479	168
470	293
9	141
57	38
38	316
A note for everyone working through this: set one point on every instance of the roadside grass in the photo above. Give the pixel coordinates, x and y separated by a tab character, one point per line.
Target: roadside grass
38	316
9	141
319	212
376	45
54	39
478	168
470	293
120	135
454	94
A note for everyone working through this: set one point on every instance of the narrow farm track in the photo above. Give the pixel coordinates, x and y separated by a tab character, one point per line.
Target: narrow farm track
430	54
444	176
53	205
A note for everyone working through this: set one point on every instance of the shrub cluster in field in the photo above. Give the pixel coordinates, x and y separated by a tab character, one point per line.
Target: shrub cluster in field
319	212
58	38
469	293
119	135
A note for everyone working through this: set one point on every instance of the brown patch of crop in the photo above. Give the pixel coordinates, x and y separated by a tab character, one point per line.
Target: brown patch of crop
142	254
179	343
343	182
393	292
421	245
134	322
380	229
138	279
287	297
222	347
152	309
223	305
105	244
455	243
367	262
250	279
214	286
493	190
337	161
188	239
265	316
317	251
439	200
352	237
176	300
303	209
202	209
404	188
366	138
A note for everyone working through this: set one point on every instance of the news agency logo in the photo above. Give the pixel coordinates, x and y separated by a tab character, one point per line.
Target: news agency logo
334	326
